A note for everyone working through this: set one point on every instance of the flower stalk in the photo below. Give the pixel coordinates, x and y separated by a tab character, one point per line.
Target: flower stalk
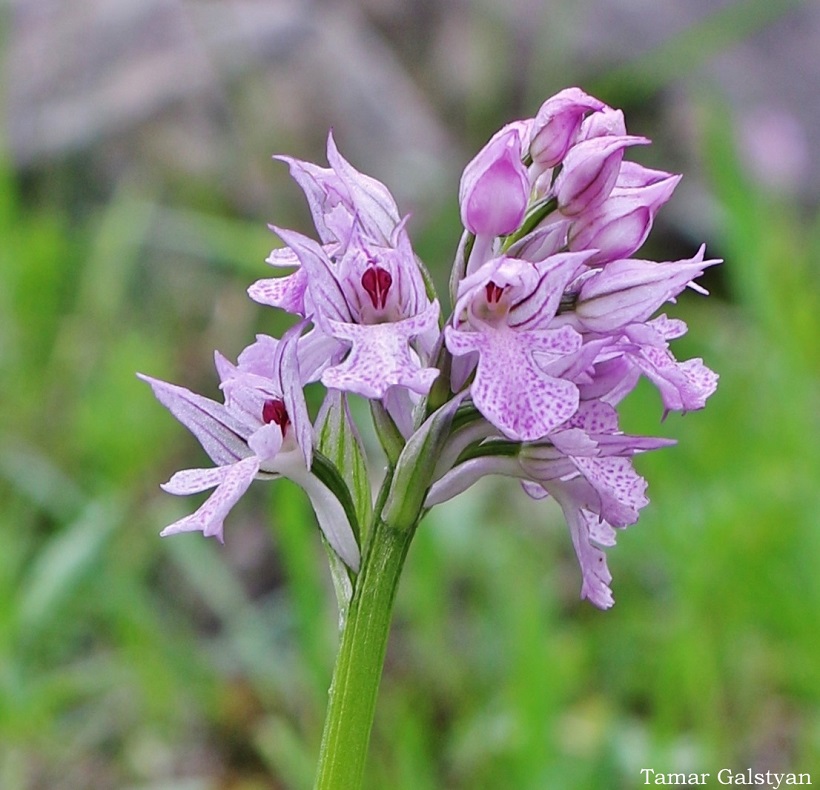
358	670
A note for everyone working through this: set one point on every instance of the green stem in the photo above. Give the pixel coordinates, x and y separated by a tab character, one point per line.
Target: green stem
358	670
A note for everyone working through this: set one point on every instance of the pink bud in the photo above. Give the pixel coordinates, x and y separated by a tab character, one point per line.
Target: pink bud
620	225
633	175
607	123
590	171
556	125
544	241
615	229
629	290
495	187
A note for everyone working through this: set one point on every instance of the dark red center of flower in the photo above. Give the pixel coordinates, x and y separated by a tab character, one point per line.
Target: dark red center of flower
274	411
493	292
377	281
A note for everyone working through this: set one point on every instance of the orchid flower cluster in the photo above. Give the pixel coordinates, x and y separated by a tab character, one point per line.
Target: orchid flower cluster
552	326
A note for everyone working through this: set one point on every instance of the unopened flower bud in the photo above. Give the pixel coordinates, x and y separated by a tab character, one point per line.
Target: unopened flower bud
635	176
620	225
556	125
495	187
630	290
541	243
607	123
590	171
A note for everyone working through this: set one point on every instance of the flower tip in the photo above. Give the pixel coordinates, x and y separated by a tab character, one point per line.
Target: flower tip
219	358
171	529
150	380
603	602
332	148
696	288
158	386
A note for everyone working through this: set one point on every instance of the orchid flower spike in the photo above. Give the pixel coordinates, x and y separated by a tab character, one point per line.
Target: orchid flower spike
554	323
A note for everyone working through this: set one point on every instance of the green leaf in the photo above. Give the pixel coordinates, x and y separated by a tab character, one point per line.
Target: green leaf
338	442
427	278
389	435
465	247
327	473
414	470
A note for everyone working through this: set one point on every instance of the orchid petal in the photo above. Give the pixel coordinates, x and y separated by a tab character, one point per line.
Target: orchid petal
286	293
371	200
323	190
288	377
221	435
330	514
194	481
510	389
323	285
266	442
620	488
209	518
594	571
380	357
461	477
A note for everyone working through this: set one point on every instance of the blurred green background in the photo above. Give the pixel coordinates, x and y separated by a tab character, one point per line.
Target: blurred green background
135	188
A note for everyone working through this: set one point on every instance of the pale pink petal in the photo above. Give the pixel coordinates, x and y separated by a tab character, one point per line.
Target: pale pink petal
209	518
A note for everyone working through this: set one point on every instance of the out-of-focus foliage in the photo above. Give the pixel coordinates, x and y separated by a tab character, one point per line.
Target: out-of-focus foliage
130	661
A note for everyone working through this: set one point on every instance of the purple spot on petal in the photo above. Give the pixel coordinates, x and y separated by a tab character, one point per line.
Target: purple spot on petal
377	281
274	411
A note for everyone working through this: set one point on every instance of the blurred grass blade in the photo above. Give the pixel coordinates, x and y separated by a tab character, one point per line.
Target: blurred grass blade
122	230
249	635
284	751
64	563
39	480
